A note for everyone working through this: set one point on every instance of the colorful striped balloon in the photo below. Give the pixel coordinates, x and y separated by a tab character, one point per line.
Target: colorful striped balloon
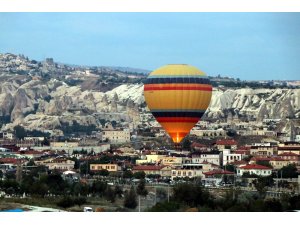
177	96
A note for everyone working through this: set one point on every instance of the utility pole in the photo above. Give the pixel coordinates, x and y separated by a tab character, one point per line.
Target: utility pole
139	203
168	192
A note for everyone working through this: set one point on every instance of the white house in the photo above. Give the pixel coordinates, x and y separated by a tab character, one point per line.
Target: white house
229	157
213	158
254	169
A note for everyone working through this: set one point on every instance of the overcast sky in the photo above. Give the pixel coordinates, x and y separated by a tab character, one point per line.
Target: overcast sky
248	46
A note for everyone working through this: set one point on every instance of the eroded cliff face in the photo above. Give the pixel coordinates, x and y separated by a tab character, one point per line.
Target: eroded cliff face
41	95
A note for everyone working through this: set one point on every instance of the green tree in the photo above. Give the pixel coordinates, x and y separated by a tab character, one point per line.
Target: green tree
130	199
103	173
190	194
20	132
186	144
141	190
79	201
127	174
139	175
45	142
289	171
118	191
98	188
261	184
65	202
110	194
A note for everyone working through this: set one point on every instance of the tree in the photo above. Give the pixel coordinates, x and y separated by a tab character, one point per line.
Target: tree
127	174
103	172
99	188
186	144
264	163
190	194
65	202
289	171
79	201
45	142
20	132
261	184
118	191
139	175
141	190
130	199
110	194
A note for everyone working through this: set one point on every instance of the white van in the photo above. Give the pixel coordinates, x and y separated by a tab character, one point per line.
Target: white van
87	209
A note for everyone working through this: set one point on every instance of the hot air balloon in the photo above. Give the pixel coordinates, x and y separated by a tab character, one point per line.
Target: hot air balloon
177	96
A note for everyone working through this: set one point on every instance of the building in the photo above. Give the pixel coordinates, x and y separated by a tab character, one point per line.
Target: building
6	135
116	136
217	173
229	157
289	147
263	150
226	144
64	144
57	164
171	161
208	133
187	170
211	157
277	162
150	158
108	167
292	157
163	171
254	169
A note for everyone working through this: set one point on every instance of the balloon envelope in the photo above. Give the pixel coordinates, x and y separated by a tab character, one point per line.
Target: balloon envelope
177	96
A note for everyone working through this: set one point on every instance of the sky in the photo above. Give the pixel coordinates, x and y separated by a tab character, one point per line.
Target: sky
249	46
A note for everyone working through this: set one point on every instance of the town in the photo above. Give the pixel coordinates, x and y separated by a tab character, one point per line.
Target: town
138	159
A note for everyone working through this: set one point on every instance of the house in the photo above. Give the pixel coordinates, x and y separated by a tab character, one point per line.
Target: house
108	167
289	147
163	171
217	173
229	157
6	135
211	157
116	136
57	164
226	144
208	133
64	144
290	156
171	161
150	158
187	170
263	150
254	169
277	162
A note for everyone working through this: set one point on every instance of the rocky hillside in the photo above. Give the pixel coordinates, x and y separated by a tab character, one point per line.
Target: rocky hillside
48	95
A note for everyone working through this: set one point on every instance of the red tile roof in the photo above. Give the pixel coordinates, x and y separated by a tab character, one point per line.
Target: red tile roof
146	167
288	148
243	152
260	159
255	167
241	162
217	172
226	142
9	160
288	154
